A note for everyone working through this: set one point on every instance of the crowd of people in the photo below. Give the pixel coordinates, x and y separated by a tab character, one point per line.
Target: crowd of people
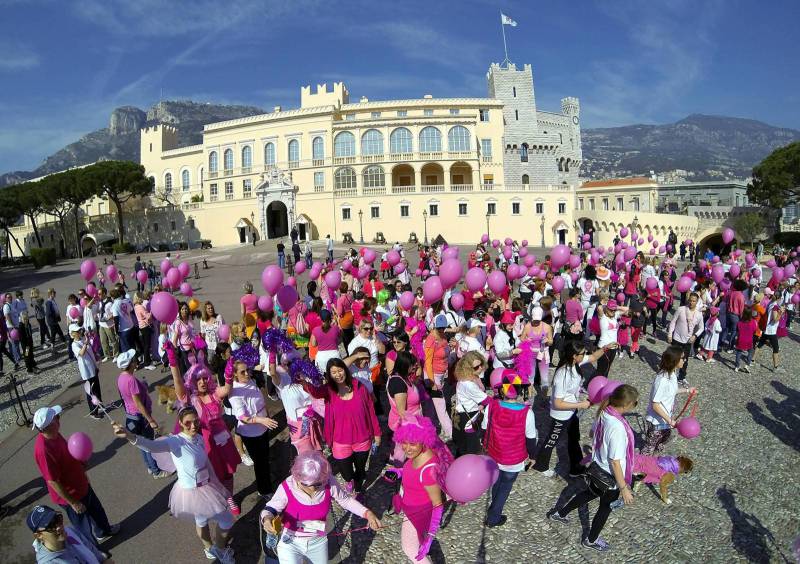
373	359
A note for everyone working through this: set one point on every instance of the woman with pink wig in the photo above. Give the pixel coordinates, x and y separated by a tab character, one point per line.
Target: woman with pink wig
303	503
199	389
423	476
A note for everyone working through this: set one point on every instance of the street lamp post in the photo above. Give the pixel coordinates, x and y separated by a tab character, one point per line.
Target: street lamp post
633	225
542	228
253	227
425	219
361	224
488	233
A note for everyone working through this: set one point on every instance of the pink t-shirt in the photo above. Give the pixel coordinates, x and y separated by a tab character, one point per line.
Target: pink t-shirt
185	333
326	341
415	480
250	303
128	385
353	424
744	334
574	311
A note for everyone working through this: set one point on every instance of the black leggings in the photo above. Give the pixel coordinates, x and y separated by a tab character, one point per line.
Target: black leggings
600	518
258	449
549	441
94	390
604	364
44	334
654	319
145	339
354	468
467	443
5	351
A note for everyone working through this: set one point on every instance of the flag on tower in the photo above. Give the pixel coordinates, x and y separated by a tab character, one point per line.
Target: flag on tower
506	20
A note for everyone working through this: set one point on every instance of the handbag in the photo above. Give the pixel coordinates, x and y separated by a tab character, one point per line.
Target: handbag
599	479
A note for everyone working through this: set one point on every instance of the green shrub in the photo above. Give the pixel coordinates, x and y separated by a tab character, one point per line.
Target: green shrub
43	257
122	248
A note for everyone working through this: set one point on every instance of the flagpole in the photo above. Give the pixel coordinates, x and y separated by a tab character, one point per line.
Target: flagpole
506	62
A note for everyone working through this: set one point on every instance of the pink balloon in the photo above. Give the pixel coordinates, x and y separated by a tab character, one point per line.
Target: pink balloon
623	232
778	274
640	242
457	300
717	273
432	289
771	263
574	261
735	270
728	235
789	270
407	300
91	290
558	284
272	279
299	267
88	269
507	253
292	281
651	283
629	253
496	281
650	237
684	284
399	268
475	279
595	389
184	268
688	427
346	264
141	276
186	289
418	272
691	274
287	297
609	388
164	307
470	476
484	238
587	245
651	252
495	243
224	332
165	266
112	272
621	298
363	271
80	446
393	257
333	279
426	273
14	334
529	260
524	243
796	298
83	302
369	256
512	272
450	253
585	237
265	303
523	252
174	277
450	272
559	256
74	313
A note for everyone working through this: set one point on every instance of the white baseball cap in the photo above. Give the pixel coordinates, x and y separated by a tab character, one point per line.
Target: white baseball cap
44	416
474	322
124	359
74	328
537	313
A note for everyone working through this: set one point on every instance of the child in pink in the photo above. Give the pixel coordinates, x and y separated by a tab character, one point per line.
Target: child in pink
745	342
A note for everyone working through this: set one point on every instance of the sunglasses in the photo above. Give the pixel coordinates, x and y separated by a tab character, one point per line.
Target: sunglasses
477	366
55	524
369	328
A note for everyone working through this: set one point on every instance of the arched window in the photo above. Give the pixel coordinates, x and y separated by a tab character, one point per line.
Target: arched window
227	160
458	138
401	141
372	143
374	177
269	154
152	183
318	148
430	139
294	151
247	156
168	183
526	179
185	180
566	165
344	145
212	162
560	163
523	153
344	178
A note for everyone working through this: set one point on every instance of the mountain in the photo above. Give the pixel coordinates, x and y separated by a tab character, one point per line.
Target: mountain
699	147
120	140
706	147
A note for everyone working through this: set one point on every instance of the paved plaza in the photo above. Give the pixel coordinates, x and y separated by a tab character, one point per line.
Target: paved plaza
739	505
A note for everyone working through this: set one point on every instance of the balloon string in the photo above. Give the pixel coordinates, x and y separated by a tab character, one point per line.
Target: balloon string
686	405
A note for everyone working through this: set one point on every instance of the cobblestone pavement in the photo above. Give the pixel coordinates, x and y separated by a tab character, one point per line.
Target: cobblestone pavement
739	505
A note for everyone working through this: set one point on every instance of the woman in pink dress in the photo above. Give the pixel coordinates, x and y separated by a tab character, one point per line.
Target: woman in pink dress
182	335
199	389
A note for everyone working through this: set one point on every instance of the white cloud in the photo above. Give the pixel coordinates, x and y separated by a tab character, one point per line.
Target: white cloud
17	57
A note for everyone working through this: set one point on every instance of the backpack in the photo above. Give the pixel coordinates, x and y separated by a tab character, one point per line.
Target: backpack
296	318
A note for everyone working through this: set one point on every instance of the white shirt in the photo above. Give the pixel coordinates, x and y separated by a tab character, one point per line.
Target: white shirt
530	433
567	280
329	244
106	317
469	343
663	391
588	289
122	308
370	344
247	401
502	348
294	398
771	328
608	330
188	455
566	384
8	312
87	365
614	445
468	396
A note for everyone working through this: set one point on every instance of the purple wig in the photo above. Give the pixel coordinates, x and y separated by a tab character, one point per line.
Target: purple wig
199	369
311	467
420	430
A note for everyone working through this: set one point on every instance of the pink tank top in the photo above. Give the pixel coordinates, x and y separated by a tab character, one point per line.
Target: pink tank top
296	512
412	403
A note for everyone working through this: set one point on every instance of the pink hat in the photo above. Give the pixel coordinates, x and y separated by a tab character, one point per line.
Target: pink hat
612	304
768	291
508	317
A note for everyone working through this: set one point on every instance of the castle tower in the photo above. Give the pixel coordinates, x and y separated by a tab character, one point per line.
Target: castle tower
155	138
571	107
515	88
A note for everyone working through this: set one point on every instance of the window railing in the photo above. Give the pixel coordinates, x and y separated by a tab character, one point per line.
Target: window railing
401	156
346	192
318	189
486	158
403	189
372	158
460	154
213	174
430	155
374	190
461	187
429	188
344	160
228	171
229	196
318	162
489	187
246	169
294	164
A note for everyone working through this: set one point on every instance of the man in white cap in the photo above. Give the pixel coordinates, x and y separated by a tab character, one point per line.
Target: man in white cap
138	407
66	477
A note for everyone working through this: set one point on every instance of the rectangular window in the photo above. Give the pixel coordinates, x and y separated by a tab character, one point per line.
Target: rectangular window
155	228
516	115
515	208
375	114
345	214
213	192
427	112
350	117
605	204
636	204
319	182
491	208
591	204
488	179
462	208
539	207
433	210
229	190
580	203
620	204
172	225
375	212
247	188
100	210
454	111
484	115
402	113
562	207
486	149
404	210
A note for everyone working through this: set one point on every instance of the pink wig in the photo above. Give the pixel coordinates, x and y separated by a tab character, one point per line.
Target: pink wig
420	430
311	467
198	369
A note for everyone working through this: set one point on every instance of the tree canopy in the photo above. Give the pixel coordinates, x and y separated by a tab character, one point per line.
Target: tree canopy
776	179
749	226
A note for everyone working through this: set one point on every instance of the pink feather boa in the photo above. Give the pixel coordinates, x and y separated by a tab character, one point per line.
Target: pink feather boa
523	362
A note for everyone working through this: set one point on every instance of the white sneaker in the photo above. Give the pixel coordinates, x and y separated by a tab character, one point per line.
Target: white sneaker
149	367
209	552
246	460
105	359
549	473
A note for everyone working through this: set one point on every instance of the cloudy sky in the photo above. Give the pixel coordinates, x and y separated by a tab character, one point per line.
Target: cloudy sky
65	65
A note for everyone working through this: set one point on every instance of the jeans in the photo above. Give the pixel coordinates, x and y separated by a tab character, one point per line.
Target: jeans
687	353
44	334
748	354
138	425
282	260
125	341
500	492
5	351
93	522
729	333
15	351
330	256
145	339
549	441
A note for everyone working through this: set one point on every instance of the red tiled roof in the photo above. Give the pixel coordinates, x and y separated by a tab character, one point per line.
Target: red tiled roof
618	182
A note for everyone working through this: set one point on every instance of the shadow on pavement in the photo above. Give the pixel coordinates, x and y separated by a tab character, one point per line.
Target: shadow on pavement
785	420
140	519
748	536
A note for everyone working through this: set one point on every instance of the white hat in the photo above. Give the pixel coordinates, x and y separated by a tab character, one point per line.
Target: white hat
537	313
475	322
124	359
44	416
74	328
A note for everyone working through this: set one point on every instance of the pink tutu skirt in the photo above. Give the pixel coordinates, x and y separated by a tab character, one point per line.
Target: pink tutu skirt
206	501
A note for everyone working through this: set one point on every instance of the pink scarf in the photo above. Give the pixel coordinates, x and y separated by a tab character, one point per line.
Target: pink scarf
598	440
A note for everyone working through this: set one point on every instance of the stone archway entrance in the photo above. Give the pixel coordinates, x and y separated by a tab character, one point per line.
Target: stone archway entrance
276	203
277	220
